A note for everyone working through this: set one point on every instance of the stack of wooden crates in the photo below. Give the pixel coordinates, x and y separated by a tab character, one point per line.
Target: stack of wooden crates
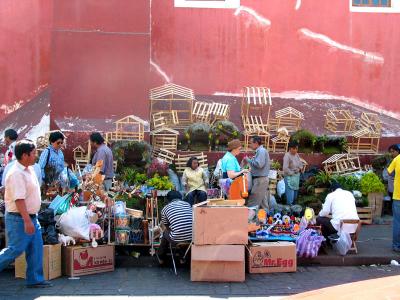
219	239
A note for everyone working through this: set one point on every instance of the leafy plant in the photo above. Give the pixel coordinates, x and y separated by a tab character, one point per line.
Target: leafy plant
370	183
330	145
157	167
349	182
160	182
133	177
132	154
305	138
197	133
223	132
275	165
322	179
380	162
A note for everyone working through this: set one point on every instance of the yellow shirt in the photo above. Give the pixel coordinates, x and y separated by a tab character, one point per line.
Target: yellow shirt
194	179
395	166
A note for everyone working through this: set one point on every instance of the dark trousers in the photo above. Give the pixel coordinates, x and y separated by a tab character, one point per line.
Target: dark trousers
196	196
326	226
164	244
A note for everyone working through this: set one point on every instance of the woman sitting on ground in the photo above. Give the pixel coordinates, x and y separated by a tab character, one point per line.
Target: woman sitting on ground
195	182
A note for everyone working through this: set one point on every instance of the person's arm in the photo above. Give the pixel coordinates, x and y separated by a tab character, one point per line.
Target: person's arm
392	167
326	207
184	180
230	167
258	161
28	224
101	155
43	161
285	168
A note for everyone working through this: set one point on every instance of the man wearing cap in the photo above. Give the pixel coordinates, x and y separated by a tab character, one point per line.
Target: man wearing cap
259	169
22	198
342	205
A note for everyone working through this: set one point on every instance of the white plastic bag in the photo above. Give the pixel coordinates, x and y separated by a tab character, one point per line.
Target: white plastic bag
343	244
280	187
76	222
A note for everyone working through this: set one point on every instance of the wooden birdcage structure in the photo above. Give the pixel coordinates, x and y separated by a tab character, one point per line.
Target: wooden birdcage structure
339	121
164	154
166	138
255	126
256	102
281	141
165	119
342	164
372	122
363	141
82	156
182	159
288	117
171	97
129	128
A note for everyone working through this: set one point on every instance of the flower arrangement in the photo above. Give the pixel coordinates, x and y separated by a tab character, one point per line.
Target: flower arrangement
222	132
157	166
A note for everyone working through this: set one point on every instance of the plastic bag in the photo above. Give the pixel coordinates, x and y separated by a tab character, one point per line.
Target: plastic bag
280	187
343	244
58	201
308	243
76	222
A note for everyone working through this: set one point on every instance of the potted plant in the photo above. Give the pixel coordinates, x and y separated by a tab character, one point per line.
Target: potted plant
373	188
161	183
322	182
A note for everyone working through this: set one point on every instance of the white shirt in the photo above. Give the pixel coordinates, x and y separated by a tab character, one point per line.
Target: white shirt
342	205
36	167
21	183
11	149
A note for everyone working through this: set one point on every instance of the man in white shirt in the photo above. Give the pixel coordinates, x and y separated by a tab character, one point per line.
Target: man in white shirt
22	199
342	205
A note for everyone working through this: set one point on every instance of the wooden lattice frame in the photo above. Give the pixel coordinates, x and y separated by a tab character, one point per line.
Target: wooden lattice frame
201	111
129	128
365	141
372	122
280	142
182	159
340	121
219	111
170	97
164	154
256	101
342	164
288	117
165	138
254	125
165	119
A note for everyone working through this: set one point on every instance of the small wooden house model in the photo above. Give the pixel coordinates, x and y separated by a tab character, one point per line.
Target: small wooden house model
288	117
364	140
164	154
254	125
342	164
165	138
129	128
171	97
281	141
339	121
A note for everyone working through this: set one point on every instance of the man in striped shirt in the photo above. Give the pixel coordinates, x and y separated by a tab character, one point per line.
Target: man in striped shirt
177	218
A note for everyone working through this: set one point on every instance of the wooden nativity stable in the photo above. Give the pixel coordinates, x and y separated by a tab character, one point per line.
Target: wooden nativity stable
342	164
129	128
173	98
287	117
166	138
340	121
367	137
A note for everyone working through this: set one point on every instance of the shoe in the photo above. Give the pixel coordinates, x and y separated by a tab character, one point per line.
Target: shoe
161	262
41	285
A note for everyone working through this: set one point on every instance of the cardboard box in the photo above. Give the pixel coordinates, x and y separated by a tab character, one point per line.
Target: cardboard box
272	257
51	263
215	225
79	261
221	263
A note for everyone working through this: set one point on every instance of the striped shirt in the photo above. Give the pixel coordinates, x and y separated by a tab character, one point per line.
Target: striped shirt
178	216
56	160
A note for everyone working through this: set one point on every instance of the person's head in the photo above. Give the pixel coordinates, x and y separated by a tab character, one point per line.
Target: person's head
173	195
234	147
193	163
334	186
25	152
10	136
293	147
56	139
394	150
96	140
256	142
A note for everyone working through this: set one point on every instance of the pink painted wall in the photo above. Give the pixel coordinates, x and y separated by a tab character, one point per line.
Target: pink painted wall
214	50
25	37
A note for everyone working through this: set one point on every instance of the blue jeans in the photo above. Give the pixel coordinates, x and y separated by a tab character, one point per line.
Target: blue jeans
291	195
19	242
396	224
196	196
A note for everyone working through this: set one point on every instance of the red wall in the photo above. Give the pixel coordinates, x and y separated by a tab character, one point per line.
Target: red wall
101	58
212	50
25	36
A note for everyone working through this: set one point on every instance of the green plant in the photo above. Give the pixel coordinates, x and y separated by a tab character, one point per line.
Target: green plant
160	182
381	161
132	154
223	132
370	183
197	133
305	138
323	179
348	182
275	165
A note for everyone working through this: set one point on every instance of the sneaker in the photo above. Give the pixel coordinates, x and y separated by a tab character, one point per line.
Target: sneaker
44	284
